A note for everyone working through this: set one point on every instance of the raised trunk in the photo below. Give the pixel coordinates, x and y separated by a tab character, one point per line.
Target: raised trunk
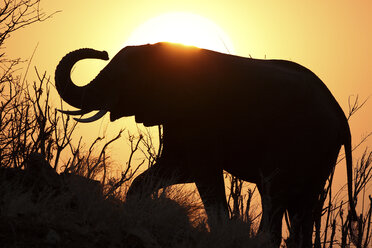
85	97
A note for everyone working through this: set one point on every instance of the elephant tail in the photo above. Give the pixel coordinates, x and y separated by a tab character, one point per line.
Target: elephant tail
349	168
353	224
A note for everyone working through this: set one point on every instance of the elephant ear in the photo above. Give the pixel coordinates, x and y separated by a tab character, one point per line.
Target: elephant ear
181	84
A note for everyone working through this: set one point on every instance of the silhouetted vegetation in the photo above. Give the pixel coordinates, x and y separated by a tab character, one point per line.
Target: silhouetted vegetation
69	215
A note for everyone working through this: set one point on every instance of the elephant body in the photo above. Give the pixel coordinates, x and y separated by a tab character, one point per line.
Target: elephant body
270	122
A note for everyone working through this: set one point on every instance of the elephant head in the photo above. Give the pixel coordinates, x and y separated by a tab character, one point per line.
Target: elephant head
134	82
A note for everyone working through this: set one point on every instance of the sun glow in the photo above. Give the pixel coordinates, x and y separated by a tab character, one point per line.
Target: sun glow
185	28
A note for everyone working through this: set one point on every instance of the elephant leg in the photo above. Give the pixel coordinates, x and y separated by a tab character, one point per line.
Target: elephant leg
301	219
272	215
160	175
211	188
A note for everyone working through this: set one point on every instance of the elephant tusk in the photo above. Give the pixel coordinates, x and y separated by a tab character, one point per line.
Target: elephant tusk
92	118
74	112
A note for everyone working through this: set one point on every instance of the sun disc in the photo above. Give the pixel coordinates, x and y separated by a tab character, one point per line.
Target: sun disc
185	28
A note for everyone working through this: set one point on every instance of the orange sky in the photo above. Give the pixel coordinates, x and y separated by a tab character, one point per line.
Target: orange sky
332	38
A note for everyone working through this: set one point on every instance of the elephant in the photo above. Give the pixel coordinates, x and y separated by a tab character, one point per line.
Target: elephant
270	122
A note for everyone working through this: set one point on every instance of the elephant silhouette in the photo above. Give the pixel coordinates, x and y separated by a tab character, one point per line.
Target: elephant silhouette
270	122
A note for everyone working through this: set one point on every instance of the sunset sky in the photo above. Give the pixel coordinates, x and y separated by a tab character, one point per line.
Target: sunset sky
332	38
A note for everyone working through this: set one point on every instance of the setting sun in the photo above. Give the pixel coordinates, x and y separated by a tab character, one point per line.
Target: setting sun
185	28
